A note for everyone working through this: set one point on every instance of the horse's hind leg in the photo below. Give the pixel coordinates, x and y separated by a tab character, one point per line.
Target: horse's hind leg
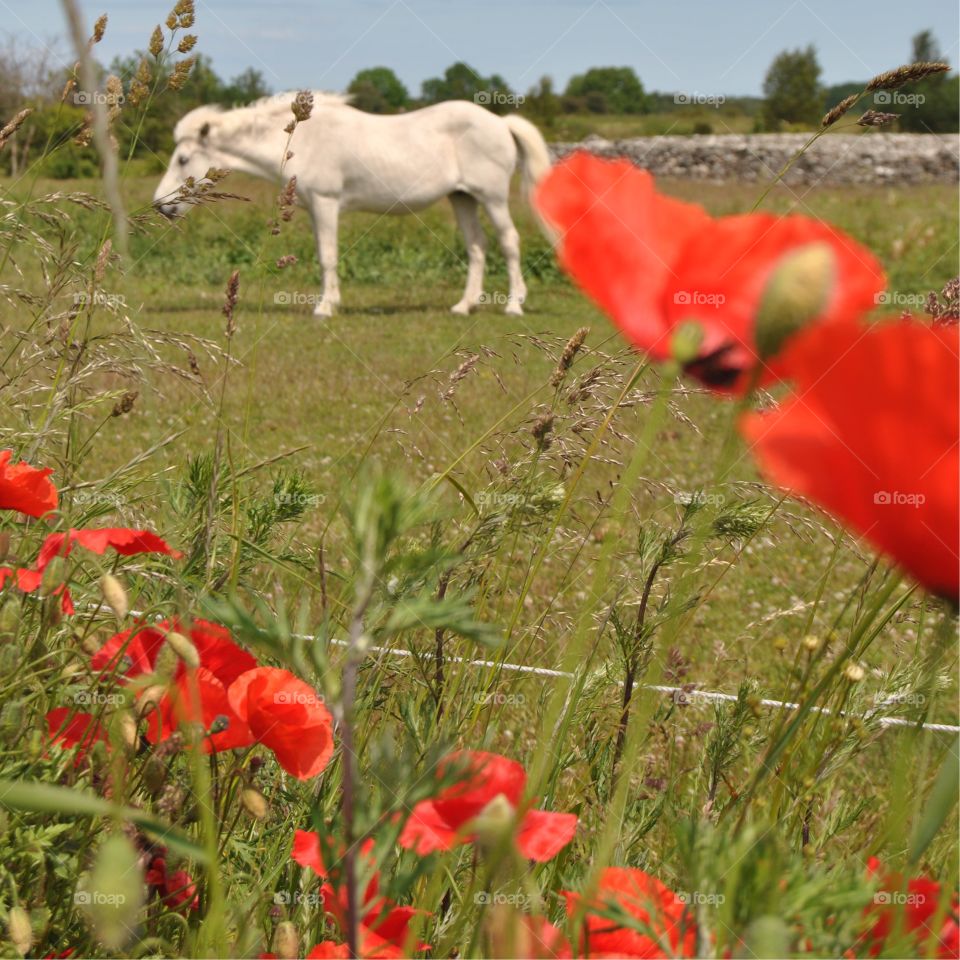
326	211
499	214
465	210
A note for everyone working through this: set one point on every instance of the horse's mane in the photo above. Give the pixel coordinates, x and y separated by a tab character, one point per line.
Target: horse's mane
235	120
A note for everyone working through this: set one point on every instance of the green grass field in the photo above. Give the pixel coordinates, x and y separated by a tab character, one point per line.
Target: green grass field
379	383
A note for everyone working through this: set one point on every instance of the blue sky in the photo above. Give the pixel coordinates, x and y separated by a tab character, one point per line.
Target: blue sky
696	46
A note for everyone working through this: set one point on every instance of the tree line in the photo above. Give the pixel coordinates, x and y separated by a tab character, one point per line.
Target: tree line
794	97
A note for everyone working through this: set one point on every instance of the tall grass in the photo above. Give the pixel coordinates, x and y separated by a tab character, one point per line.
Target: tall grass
575	552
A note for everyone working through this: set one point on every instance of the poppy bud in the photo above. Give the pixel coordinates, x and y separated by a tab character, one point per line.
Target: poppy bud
52	576
128	731
286	941
854	672
796	292
114	892
686	342
495	821
9	618
184	649
255	803
148	700
154	775
115	595
19	930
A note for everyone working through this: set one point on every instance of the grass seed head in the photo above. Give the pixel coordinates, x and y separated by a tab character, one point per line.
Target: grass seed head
99	28
908	73
230	302
286	941
184	649
19	929
13	126
876	118
835	113
156	42
255	803
570	352
115	595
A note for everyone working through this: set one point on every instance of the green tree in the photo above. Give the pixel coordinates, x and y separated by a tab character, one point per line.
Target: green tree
609	89
931	105
378	90
542	102
461	82
792	89
245	88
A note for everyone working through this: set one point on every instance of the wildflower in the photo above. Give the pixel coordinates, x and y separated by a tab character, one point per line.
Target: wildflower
921	901
195	694
655	263
384	926
74	730
870	435
26	489
450	818
176	890
287	716
664	931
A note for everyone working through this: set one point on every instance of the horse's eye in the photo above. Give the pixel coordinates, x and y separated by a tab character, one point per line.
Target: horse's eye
184	161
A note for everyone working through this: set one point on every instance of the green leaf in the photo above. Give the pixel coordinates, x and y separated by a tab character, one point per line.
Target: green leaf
942	799
35	797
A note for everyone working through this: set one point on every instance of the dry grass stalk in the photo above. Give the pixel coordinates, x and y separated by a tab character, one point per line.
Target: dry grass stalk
570	351
876	118
835	113
230	303
459	374
908	73
13	126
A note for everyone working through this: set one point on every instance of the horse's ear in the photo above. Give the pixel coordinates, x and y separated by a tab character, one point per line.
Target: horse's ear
205	131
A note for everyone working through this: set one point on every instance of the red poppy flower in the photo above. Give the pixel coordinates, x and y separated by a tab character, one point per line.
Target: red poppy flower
919	902
654	263
198	697
176	890
194	696
870	435
24	488
134	652
125	541
662	929
286	715
384	926
72	730
445	821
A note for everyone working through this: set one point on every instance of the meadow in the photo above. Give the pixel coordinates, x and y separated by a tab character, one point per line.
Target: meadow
499	499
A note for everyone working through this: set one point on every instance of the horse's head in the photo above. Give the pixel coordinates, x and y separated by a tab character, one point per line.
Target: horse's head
193	155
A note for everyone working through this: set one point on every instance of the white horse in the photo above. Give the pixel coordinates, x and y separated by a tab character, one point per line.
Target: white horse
345	159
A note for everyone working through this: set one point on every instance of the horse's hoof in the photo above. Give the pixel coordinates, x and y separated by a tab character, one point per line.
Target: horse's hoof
461	309
513	310
323	309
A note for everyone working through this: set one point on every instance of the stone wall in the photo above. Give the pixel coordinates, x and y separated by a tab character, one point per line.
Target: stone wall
873	158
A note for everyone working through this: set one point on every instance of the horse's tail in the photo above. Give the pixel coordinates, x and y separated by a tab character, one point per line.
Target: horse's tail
534	154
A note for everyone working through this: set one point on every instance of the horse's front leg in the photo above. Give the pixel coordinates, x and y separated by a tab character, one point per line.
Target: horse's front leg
326	211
